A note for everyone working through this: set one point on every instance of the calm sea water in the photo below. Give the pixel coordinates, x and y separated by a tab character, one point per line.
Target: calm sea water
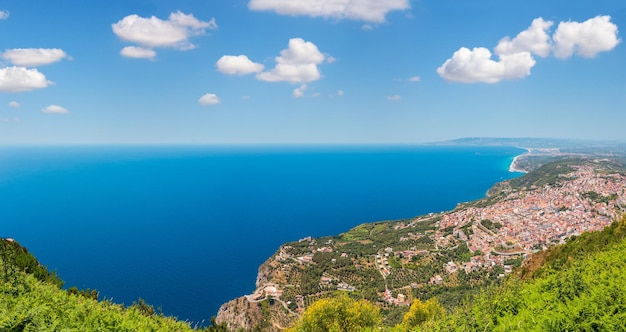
185	228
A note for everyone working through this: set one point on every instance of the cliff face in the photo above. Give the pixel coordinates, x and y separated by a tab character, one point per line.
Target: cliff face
242	313
239	314
264	274
262	310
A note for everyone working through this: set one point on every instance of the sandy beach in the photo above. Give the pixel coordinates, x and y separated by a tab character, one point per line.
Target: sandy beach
513	167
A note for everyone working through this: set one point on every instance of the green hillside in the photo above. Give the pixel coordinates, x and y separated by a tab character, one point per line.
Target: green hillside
31	300
578	286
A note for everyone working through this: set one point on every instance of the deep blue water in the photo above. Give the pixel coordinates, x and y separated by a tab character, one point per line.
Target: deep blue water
185	228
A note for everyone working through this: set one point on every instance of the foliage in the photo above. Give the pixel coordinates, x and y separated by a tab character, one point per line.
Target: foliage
339	314
490	224
582	246
548	174
422	312
598	198
581	287
31	300
88	293
17	258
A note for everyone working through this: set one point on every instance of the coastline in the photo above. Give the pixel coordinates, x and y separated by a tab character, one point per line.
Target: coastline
513	168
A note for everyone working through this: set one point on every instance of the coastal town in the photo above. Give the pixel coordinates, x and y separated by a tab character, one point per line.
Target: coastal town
478	242
531	220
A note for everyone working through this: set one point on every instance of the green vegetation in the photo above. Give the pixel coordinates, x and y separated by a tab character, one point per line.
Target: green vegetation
31	300
16	258
595	197
422	313
578	286
340	314
491	225
547	174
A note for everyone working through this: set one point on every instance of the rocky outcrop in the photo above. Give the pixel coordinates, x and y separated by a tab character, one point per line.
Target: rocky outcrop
239	314
262	310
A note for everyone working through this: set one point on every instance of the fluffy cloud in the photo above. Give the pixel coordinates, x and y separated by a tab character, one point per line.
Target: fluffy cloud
535	40
476	65
18	79
4	14
362	10
138	52
394	98
515	60
586	39
151	32
209	99
237	65
56	109
31	57
296	64
14	104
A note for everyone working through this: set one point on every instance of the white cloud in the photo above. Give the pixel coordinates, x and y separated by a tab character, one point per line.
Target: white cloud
19	79
339	93
14	104
476	65
237	65
535	40
299	91
31	57
138	52
394	98
209	99
151	32
367	27
55	109
362	10
4	14
586	39
415	79
188	20
296	64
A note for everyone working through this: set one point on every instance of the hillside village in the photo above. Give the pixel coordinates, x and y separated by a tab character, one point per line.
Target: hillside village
439	254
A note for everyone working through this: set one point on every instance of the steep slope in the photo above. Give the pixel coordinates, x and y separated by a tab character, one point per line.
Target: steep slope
578	286
31	300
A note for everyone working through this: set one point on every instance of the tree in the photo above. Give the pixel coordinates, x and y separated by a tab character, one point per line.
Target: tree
340	314
421	312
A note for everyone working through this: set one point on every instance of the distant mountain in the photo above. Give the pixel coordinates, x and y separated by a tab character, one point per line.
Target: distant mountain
529	142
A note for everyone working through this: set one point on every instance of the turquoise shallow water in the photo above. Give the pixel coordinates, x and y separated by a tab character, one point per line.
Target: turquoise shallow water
185	227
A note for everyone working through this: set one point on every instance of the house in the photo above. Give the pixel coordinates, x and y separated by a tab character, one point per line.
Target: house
436	280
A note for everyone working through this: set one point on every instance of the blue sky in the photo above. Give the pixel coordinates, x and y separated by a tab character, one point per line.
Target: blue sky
309	71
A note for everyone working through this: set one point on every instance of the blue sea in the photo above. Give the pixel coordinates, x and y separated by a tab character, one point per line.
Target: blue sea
186	227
